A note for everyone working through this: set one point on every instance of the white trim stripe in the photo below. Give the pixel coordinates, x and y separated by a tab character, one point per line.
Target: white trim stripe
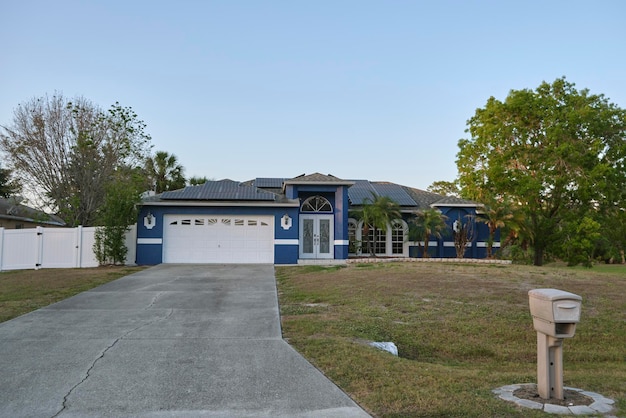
297	242
483	244
286	242
479	244
430	243
149	240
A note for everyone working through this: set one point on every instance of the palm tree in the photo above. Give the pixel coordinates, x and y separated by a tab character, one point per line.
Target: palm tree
427	223
164	172
377	213
498	214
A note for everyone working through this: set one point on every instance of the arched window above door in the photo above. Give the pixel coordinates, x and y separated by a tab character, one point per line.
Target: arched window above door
316	204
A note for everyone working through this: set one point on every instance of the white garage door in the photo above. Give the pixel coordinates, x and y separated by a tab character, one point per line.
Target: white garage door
218	239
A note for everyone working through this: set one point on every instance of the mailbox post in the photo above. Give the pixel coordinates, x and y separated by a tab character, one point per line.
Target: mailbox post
555	315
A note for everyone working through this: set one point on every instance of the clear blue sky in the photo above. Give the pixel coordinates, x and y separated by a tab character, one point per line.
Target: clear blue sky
379	90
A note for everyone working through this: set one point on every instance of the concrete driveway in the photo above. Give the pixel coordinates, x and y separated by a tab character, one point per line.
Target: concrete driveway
170	341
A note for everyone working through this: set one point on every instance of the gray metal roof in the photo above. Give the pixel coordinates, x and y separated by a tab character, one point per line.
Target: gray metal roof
361	192
422	198
395	192
269	183
219	190
455	201
269	189
318	178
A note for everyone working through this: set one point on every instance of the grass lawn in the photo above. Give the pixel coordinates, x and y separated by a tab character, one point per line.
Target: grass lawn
461	331
22	291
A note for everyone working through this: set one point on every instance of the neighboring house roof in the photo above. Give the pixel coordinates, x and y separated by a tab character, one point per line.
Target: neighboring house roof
268	189
11	209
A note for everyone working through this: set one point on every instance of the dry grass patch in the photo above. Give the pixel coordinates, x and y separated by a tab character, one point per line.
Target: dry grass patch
461	331
22	291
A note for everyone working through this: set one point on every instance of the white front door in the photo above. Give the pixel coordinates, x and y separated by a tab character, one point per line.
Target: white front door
317	236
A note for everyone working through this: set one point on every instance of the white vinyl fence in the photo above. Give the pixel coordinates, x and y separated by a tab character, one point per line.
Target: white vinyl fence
35	248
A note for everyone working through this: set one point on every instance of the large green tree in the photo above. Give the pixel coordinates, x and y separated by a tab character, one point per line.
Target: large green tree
556	152
444	188
67	151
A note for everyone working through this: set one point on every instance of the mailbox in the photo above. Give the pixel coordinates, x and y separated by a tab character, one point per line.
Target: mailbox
555	312
555	315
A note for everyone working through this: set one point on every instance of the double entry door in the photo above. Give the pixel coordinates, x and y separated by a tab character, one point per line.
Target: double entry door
317	236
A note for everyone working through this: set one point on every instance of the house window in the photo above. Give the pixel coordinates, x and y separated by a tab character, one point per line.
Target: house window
397	237
381	242
376	240
316	204
391	242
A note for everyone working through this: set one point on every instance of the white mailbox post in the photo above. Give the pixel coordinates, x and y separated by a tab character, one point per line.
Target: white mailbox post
555	315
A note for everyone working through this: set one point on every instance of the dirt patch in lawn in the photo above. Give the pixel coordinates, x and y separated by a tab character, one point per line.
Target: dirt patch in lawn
571	397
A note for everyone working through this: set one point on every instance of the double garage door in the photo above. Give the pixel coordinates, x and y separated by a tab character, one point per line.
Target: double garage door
218	239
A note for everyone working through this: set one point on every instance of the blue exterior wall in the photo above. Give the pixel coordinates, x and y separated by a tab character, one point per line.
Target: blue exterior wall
445	248
338	198
341	208
287	253
286	246
152	253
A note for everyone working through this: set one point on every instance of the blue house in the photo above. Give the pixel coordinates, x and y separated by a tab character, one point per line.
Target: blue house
305	219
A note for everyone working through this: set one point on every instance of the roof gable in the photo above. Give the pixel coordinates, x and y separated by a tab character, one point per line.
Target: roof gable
317	178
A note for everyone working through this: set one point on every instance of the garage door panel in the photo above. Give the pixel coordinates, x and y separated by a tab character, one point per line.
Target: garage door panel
218	239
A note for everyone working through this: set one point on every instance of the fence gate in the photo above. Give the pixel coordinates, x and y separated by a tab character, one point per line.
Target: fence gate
34	248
